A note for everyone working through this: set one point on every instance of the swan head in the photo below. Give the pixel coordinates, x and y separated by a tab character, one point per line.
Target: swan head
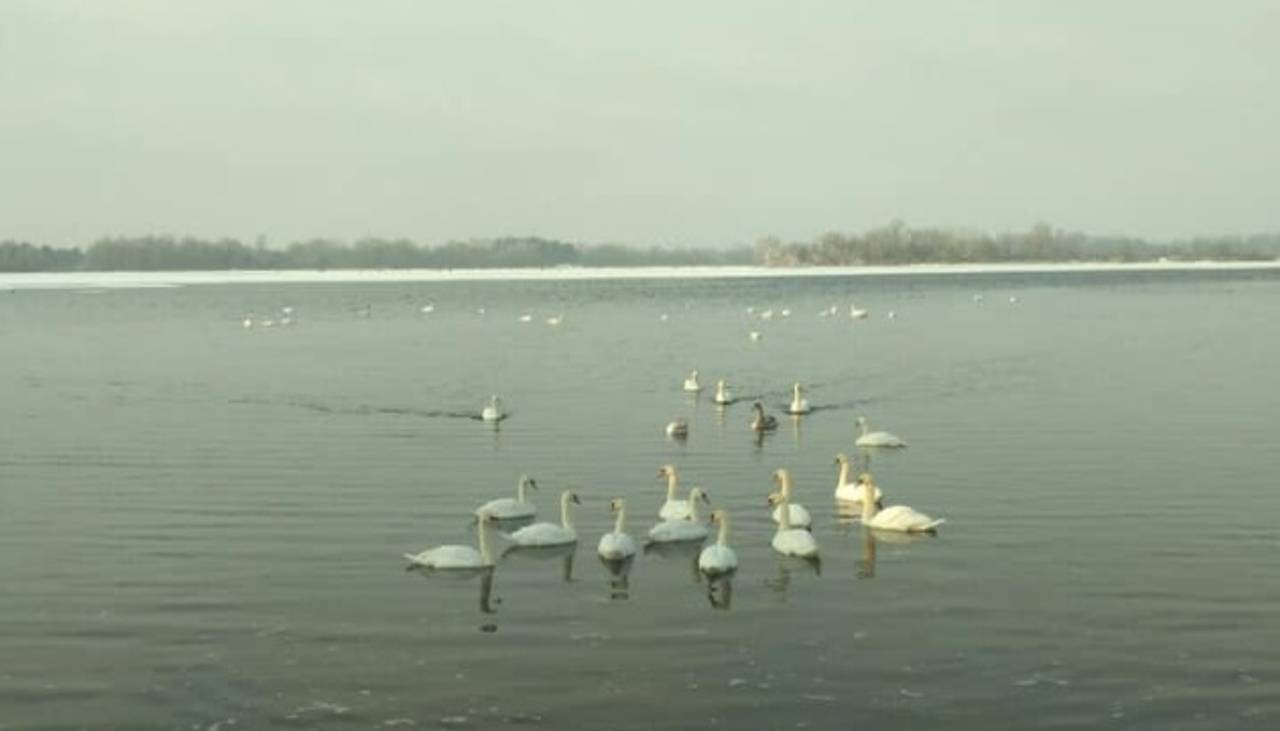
861	421
617	504
781	476
528	482
667	471
758	407
774	499
797	388
842	458
717	516
697	494
569	496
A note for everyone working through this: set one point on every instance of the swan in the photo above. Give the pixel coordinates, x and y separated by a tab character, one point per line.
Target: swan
767	314
428	309
846	491
550	534
526	317
247	322
493	412
857	314
672	509
797	515
755	336
718	558
761	422
897	517
786	312
555	320
507	508
452	558
868	438
678	429
617	545
689	529
691	383
787	540
723	397
287	310
799	404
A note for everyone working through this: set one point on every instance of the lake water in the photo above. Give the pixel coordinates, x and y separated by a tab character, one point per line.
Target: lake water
201	526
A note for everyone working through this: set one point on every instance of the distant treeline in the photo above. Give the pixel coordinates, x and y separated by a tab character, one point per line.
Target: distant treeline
892	244
899	244
168	253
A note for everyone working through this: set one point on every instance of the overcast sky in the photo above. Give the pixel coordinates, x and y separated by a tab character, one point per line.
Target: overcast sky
678	123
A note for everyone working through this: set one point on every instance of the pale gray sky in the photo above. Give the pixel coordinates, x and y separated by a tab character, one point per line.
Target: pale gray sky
686	123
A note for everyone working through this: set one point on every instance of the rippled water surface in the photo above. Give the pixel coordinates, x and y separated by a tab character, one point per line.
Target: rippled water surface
201	526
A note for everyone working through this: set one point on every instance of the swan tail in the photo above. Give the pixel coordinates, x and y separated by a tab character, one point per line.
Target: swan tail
932	527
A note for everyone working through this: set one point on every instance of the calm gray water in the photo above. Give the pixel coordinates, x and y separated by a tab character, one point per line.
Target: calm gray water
201	526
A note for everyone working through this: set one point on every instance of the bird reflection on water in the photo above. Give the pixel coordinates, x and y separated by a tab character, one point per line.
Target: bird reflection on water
619	571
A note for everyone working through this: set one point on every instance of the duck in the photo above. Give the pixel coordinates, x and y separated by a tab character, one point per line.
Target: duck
723	397
798	516
761	422
457	558
507	508
493	412
679	530
868	438
857	314
790	541
691	383
550	534
672	509
899	518
617	545
846	491
799	404
718	558
678	429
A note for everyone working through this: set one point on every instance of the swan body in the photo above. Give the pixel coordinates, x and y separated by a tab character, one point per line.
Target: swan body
797	515
857	314
678	429
454	558
761	422
868	438
799	404
790	541
428	309
550	534
691	383
247	322
526	317
686	529
507	508
718	558
895	518
850	491
673	508
493	412
555	320
723	396
617	545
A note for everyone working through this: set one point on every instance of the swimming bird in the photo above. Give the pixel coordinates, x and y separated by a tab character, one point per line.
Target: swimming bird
678	429
617	545
785	312
718	558
507	508
286	310
428	309
788	540
755	336
691	383
761	422
691	529
849	491
453	558
797	514
550	534
526	317
555	320
896	517
767	314
248	321
857	314
868	438
723	397
799	404
673	508
493	412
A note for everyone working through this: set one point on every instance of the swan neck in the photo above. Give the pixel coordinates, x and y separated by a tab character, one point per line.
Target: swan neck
844	474
521	490
723	538
673	483
620	524
784	512
565	518
694	498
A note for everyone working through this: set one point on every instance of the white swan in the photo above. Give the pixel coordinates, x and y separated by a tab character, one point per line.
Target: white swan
493	412
846	490
857	314
507	508
897	517
691	529
550	534
691	383
617	545
718	558
755	336
672	509
868	438
799	404
247	322
453	558
723	396
555	320
787	540
797	515
678	429
526	317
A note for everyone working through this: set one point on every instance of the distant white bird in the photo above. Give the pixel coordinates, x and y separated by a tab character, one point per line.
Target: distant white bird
897	517
662	317
286	321
767	314
678	429
526	318
268	323
789	540
796	514
892	314
756	336
799	404
511	508
977	298
286	310
1013	300
691	383
718	558
428	309
617	545
480	310
455	558
785	312
550	534
247	322
555	320
857	314
723	397
691	529
751	310
493	412
868	438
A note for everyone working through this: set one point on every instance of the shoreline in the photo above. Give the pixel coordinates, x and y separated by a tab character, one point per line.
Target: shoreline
168	279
